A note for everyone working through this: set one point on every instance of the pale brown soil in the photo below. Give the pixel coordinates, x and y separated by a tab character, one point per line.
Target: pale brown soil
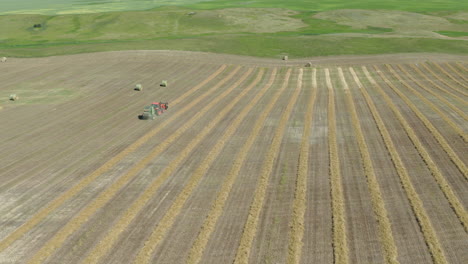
48	148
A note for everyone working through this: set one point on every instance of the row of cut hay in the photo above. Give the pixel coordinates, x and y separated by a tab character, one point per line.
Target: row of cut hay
378	205
111	191
299	204
455	70
450	76
105	244
250	227
72	192
442	99
450	152
198	247
434	84
461	66
452	124
90	129
340	243
416	204
454	202
443	80
160	232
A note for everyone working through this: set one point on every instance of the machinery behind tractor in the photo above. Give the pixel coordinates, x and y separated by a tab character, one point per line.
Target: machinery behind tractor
153	110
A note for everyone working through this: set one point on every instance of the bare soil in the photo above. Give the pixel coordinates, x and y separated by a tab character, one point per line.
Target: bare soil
74	157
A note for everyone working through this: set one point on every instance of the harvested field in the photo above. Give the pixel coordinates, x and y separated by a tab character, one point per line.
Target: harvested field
351	160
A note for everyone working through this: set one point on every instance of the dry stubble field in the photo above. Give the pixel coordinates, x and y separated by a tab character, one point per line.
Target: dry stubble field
256	161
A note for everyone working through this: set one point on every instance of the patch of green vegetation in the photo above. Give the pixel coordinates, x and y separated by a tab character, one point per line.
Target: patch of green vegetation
323	5
243	30
453	33
253	45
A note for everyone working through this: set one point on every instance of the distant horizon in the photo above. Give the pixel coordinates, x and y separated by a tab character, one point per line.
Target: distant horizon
58	7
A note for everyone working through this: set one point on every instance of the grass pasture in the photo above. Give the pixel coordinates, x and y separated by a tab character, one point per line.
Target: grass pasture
296	28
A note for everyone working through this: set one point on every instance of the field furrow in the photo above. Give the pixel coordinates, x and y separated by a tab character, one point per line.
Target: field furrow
457	72
418	208
166	222
453	87
354	159
381	214
444	144
299	206
453	96
107	242
434	169
107	195
340	243
436	109
103	126
217	207
251	225
450	76
105	167
438	96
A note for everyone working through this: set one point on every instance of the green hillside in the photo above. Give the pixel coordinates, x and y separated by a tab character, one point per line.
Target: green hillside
247	28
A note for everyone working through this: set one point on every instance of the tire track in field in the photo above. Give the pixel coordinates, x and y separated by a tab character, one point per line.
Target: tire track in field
455	70
62	198
443	81
450	152
250	227
340	243
296	234
454	108
452	124
198	247
453	200
451	77
135	208
76	222
159	233
416	204
454	96
378	205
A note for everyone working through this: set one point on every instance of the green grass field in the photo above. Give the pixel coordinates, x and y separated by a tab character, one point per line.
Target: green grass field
296	28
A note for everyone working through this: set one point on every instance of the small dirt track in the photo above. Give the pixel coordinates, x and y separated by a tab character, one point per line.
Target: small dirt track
352	160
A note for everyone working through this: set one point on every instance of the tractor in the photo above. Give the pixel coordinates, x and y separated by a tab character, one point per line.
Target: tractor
153	110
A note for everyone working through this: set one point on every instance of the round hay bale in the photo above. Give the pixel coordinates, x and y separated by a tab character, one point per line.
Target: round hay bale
4	59
14	97
163	83
138	87
285	57
309	64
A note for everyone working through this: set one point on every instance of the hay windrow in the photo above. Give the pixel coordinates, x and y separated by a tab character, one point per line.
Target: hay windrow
340	243
299	204
424	222
440	179
446	73
107	194
443	80
208	226
461	66
460	132
67	195
454	96
456	71
159	233
378	205
451	153
454	108
132	211
250	227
